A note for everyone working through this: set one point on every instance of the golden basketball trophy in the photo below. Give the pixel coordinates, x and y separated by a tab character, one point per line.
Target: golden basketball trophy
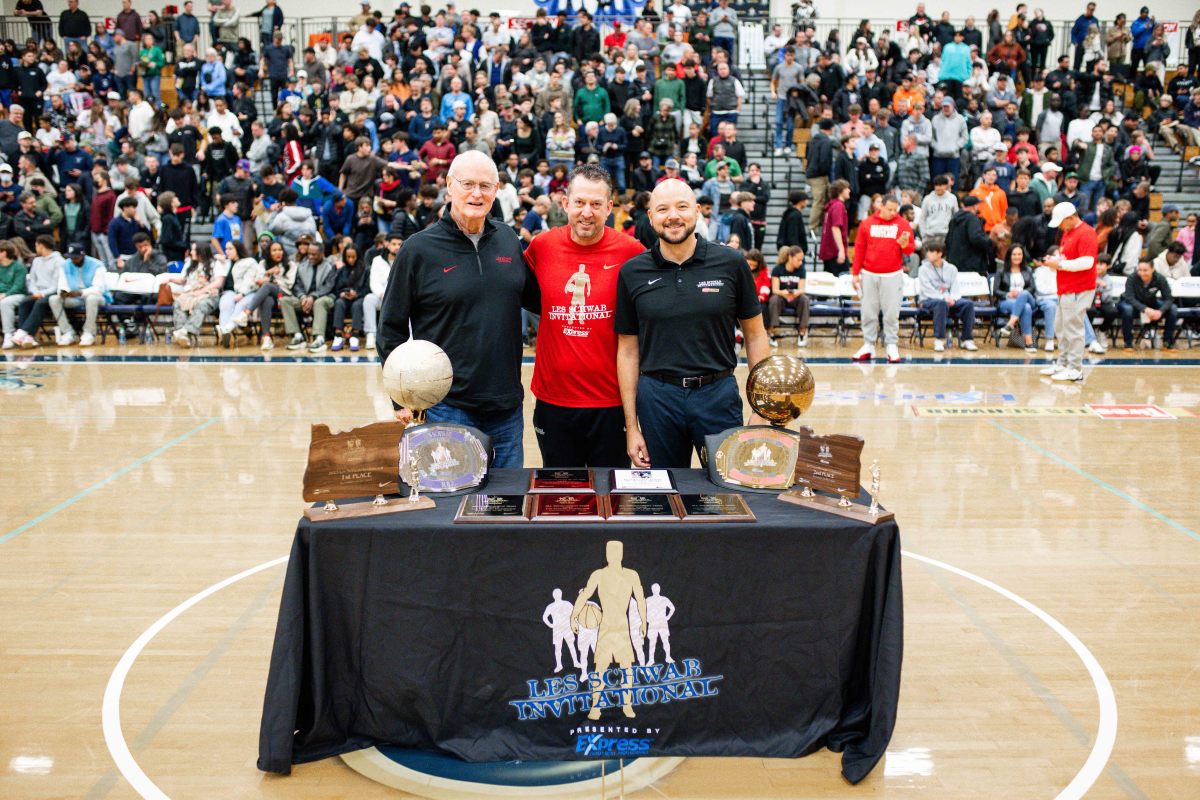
763	457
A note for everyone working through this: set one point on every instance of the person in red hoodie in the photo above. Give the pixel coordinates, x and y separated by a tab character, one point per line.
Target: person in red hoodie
884	239
1075	263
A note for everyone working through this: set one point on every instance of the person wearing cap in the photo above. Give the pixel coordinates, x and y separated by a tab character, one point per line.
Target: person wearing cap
81	284
1045	181
677	308
1160	232
1075	264
883	240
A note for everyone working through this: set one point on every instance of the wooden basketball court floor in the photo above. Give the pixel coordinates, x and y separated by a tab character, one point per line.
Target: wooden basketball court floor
1052	575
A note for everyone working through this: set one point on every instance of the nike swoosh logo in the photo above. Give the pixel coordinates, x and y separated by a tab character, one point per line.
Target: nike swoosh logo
384	484
447	269
611	266
651	283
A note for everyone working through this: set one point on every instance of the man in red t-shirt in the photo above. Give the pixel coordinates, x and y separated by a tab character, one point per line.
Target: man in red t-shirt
578	417
437	153
1076	266
884	239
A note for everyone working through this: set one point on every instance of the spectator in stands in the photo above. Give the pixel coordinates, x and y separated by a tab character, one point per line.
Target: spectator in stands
350	288
1172	263
787	292
123	228
725	95
81	285
241	282
785	77
793	224
1125	243
1013	291
312	293
835	229
29	222
883	240
200	285
940	297
12	292
42	282
938	208
377	278
967	245
1160	232
1148	293
993	201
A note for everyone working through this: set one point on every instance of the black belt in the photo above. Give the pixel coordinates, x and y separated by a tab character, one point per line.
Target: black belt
694	382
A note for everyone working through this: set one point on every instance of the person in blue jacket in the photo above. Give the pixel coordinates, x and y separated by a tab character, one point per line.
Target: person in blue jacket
338	216
313	190
212	75
1141	30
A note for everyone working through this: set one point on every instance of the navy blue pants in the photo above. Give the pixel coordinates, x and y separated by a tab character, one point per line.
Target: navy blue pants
675	420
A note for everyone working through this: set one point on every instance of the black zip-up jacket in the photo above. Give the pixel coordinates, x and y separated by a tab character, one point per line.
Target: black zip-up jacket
820	156
468	302
1002	283
1156	294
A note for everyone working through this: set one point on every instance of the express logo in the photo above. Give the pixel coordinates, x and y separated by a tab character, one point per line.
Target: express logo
622	634
503	259
597	744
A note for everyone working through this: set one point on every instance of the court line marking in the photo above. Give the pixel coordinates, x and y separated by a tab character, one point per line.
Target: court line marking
1093	767
100	484
118	748
1106	729
1103	484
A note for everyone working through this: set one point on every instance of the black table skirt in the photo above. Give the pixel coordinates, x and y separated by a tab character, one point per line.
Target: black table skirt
406	629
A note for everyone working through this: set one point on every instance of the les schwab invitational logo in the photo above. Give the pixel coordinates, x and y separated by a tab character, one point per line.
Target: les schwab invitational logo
621	633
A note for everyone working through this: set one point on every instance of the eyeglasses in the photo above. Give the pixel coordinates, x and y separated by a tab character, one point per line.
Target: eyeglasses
484	187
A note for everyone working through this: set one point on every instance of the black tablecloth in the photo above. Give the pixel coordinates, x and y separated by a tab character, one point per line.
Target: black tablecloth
410	630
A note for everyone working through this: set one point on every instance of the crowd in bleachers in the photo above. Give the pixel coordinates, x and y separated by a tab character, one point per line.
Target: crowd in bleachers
119	136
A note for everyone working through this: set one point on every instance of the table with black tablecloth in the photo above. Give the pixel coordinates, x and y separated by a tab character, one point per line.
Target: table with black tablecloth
411	630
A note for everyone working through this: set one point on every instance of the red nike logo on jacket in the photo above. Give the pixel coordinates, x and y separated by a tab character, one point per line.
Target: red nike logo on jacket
447	269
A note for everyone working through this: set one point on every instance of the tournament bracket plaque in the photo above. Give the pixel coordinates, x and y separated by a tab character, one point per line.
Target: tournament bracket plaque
491	508
627	507
715	508
450	458
757	457
641	481
568	508
576	481
832	464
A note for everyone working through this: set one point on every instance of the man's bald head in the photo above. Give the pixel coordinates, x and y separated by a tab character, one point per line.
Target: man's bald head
474	166
673	211
471	189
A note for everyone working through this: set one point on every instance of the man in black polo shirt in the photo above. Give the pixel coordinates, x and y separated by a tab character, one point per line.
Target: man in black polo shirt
677	305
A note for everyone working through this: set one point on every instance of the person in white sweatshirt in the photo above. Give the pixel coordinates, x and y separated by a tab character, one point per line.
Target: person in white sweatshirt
381	270
240	286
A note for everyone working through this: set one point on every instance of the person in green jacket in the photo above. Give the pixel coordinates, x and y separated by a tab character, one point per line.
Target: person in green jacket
670	87
591	100
12	291
151	61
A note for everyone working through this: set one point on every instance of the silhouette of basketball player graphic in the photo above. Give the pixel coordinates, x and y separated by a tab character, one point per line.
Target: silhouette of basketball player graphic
585	639
636	634
615	585
557	618
660	610
579	286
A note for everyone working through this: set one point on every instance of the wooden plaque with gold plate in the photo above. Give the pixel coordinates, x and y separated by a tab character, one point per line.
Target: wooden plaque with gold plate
357	463
832	464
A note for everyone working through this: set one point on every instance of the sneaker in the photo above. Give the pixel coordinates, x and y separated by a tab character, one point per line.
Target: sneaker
353	344
802	341
1005	332
87	340
778	151
1096	347
1030	348
267	342
893	354
969	344
1068	375
865	353
318	345
180	337
338	343
789	150
9	344
370	341
1053	369
774	342
1049	346
241	320
297	342
23	340
939	346
225	338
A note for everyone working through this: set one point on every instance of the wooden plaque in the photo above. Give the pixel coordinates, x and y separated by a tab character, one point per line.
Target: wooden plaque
829	463
357	463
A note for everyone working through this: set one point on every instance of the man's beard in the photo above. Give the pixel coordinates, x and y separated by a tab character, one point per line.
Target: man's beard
669	238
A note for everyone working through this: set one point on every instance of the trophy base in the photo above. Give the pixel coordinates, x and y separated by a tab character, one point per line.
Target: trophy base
830	505
332	511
